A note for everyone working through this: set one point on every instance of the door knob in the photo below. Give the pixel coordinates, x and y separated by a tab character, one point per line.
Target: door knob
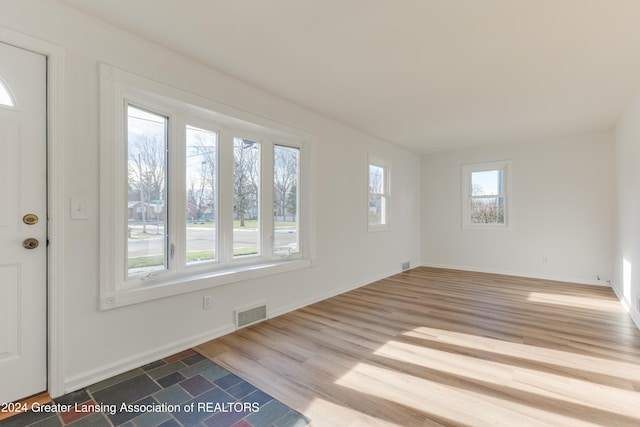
30	243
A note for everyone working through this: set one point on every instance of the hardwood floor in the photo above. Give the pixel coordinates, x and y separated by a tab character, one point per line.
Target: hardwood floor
41	398
443	347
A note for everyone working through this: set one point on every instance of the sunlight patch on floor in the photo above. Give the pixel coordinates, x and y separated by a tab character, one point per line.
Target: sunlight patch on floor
514	378
607	305
425	396
447	403
525	352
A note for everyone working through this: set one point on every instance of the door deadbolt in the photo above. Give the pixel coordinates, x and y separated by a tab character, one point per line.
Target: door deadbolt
30	243
30	219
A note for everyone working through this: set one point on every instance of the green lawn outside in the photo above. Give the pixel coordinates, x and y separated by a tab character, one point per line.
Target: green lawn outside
154	260
249	224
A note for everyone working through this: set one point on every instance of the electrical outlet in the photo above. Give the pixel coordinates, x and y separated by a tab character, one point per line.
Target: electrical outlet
206	302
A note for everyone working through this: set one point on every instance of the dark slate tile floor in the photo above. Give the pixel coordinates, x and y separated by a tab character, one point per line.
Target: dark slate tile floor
185	389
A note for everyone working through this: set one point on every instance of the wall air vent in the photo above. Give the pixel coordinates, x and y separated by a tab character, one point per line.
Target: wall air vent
250	315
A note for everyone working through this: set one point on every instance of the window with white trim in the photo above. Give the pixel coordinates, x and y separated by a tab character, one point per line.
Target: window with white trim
485	198
194	194
378	206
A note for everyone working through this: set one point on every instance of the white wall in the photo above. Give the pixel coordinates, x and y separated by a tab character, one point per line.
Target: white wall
561	209
345	255
626	263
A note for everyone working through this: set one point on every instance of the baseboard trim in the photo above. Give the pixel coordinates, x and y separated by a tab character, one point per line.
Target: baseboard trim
635	316
577	280
91	377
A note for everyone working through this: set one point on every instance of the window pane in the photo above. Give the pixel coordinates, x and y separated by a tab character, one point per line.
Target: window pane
5	96
202	193
487	183
377	209
286	176
376	179
487	210
146	159
246	197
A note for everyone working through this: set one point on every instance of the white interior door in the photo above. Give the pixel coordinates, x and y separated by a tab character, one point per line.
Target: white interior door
23	284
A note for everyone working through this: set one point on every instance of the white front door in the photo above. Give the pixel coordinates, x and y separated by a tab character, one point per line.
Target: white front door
23	224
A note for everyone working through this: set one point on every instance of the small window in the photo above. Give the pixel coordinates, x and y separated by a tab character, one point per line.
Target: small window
378	193
485	195
5	95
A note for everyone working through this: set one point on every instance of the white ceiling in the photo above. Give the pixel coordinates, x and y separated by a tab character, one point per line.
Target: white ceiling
429	75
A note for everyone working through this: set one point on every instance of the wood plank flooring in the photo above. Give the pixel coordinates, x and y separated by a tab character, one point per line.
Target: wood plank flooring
41	399
434	347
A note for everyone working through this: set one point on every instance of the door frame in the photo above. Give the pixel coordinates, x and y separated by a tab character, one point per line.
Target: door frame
56	207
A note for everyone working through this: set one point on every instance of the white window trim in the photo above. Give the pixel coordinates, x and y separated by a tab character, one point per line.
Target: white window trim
467	170
116	289
380	161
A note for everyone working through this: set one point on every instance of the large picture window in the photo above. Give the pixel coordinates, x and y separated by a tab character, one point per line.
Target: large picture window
486	195
193	194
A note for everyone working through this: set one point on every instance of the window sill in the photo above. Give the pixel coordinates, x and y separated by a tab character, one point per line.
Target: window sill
485	227
165	288
384	227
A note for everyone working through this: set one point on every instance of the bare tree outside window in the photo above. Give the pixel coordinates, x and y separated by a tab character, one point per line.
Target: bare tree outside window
202	181
146	154
286	169
487	197
246	197
378	193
